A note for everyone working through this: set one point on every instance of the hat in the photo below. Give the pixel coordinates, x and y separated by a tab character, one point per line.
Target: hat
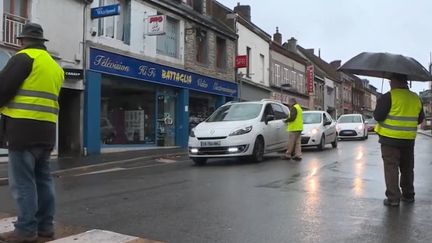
32	31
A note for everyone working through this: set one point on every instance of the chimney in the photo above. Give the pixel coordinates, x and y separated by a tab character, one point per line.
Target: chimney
277	37
292	44
244	11
336	63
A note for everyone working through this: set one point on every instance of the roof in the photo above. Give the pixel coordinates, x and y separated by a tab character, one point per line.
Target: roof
329	70
282	50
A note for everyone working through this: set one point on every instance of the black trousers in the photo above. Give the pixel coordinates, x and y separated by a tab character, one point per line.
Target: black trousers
398	159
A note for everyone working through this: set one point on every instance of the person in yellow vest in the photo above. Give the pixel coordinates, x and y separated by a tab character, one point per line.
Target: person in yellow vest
294	128
398	113
30	84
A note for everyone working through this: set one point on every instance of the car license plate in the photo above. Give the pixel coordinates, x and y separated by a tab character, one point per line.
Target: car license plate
210	143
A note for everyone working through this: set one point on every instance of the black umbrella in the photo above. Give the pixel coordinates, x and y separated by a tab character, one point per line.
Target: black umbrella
385	65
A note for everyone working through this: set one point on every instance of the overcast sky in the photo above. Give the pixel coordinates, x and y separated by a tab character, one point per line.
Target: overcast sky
342	29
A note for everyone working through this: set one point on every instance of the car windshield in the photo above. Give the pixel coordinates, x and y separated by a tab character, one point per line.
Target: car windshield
236	112
350	119
311	118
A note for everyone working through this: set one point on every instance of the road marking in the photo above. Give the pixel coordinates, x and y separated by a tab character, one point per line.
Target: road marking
6	224
102	171
91	236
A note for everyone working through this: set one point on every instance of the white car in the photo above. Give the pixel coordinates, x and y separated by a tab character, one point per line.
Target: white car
352	126
319	129
240	129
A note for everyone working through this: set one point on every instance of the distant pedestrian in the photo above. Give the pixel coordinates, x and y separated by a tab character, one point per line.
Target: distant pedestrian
398	113
29	89
295	127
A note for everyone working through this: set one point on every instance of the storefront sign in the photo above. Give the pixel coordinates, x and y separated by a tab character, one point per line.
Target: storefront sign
73	74
241	61
310	78
284	98
156	25
111	63
105	11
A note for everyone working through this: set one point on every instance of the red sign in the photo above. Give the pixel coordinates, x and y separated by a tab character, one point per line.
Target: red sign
241	61
310	78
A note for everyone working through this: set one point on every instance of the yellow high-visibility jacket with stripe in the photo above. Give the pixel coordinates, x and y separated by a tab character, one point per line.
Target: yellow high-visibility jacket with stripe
37	98
297	124
402	120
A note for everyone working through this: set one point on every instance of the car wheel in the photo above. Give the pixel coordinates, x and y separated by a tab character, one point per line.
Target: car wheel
258	150
322	143
367	135
334	143
199	161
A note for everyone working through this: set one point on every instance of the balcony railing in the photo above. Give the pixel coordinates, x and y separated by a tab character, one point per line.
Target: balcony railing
12	26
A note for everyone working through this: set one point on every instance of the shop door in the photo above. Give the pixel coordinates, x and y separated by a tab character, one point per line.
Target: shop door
166	104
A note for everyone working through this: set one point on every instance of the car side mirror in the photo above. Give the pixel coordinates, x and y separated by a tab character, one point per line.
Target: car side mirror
326	123
269	118
366	122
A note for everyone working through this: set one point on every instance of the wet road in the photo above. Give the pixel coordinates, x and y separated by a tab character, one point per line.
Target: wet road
330	196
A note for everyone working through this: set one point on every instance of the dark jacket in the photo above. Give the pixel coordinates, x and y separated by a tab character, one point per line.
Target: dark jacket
380	114
293	114
17	134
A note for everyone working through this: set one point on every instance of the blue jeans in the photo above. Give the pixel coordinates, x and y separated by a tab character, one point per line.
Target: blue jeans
32	187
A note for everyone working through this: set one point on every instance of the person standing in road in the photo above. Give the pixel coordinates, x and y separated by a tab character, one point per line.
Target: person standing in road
398	113
30	85
295	127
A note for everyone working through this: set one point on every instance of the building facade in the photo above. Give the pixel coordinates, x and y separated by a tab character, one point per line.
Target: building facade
142	84
288	73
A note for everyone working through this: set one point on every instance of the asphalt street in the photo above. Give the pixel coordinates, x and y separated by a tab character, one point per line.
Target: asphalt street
330	196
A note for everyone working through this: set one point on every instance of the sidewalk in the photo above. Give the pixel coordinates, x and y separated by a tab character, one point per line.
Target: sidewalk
58	165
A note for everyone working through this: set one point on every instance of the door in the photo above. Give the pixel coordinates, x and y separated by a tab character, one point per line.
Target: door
166	104
270	129
280	116
329	130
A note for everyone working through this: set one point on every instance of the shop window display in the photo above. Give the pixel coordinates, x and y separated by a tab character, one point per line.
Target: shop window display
127	113
200	107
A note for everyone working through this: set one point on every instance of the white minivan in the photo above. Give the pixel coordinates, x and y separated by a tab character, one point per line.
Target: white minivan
240	129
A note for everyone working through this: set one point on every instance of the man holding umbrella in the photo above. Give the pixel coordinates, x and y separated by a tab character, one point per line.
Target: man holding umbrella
398	113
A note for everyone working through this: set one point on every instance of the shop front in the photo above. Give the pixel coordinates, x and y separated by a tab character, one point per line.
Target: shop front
131	102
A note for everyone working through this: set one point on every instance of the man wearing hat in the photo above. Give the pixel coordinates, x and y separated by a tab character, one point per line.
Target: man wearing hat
398	113
30	85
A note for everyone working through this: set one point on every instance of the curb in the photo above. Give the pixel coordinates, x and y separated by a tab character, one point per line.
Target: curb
4	180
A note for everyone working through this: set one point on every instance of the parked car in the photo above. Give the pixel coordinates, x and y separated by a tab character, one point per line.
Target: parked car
319	129
351	126
370	124
240	129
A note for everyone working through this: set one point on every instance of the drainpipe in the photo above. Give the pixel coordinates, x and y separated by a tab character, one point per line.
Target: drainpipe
84	67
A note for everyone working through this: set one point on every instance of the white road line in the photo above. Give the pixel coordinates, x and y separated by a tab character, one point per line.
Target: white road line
6	224
91	236
96	236
102	171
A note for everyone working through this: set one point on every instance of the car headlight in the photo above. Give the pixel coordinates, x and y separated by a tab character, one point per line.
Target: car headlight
241	131
313	131
192	133
360	127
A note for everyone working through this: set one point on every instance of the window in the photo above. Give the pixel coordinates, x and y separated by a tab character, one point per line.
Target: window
286	79
248	68
197	5
302	84
220	52
277	78
118	26
168	44
201	40
16	7
262	68
279	112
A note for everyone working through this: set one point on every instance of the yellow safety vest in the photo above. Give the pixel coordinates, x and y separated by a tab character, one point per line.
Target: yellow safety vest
297	124
402	120
37	98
